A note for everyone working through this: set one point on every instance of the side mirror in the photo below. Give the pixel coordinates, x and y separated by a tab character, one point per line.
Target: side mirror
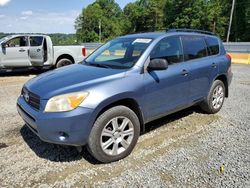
158	64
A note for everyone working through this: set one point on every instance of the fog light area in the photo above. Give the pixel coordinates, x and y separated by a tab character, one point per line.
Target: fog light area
63	136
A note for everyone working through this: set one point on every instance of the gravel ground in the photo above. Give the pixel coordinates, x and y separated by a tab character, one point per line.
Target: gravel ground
186	149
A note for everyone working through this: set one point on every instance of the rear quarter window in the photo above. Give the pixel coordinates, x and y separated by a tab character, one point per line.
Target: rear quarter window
36	41
213	45
194	47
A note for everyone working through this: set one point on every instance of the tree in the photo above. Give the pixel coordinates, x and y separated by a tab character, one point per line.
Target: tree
241	21
145	15
217	20
185	14
135	13
106	12
155	15
198	14
158	15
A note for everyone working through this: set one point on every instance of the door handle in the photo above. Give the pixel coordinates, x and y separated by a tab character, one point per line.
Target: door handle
214	65
21	50
184	72
38	50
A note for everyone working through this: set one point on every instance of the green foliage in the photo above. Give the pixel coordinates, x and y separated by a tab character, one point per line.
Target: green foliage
104	13
157	15
241	21
196	14
152	15
63	39
2	35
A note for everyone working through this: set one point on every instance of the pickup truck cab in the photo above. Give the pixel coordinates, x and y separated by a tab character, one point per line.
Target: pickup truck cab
106	101
18	51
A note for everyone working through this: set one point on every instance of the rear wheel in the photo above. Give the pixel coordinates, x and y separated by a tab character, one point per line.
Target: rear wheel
63	62
215	99
114	134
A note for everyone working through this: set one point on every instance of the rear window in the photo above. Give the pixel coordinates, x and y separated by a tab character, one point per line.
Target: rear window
194	47
213	45
36	41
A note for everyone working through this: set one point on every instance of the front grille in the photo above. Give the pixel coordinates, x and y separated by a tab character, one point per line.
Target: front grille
33	119
31	98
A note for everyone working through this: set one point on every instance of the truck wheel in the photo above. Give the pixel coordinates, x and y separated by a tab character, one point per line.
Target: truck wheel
214	101
114	134
63	62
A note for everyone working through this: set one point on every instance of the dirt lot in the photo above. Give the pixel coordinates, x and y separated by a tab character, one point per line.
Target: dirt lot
188	148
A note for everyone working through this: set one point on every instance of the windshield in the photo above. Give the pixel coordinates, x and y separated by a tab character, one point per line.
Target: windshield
4	38
121	53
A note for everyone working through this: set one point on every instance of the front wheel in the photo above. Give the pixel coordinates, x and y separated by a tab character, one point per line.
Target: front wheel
215	99
114	134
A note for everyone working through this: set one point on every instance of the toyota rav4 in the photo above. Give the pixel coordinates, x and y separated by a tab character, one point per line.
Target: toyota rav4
105	102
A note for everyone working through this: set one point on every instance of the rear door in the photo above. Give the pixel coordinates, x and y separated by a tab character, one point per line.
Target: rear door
15	52
203	68
36	51
166	90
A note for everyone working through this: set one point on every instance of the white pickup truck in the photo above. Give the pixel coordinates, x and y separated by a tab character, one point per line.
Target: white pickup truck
18	51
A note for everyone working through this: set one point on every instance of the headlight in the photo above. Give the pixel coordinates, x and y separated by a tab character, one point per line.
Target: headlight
66	102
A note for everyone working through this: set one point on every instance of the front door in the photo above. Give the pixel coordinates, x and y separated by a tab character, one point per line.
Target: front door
15	53
36	51
166	90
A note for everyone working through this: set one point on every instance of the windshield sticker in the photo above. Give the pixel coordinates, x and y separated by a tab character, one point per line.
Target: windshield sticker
142	41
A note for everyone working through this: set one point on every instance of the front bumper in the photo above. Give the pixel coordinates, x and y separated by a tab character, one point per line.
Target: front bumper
66	128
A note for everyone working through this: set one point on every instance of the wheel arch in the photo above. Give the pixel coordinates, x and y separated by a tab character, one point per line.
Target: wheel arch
223	78
65	56
128	102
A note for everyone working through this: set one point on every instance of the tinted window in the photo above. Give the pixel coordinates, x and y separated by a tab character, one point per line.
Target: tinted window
194	47
213	45
36	41
169	49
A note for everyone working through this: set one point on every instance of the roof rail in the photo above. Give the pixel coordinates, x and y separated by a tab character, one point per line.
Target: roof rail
190	30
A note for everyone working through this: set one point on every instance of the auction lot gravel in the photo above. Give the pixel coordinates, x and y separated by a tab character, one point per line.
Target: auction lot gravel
186	149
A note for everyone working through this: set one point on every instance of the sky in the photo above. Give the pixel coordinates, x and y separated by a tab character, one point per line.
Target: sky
42	16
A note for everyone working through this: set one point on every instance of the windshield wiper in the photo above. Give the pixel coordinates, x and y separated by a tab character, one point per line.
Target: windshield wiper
99	65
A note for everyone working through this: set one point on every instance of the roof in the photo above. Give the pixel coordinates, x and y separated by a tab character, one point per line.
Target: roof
18	35
155	35
152	35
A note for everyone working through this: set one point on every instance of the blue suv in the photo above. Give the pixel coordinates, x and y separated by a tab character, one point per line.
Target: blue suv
105	102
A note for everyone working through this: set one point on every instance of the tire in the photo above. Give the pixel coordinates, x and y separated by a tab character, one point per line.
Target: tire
215	99
63	62
108	142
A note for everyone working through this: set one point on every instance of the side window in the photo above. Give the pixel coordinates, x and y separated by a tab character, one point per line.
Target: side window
170	49
17	42
213	45
194	47
36	41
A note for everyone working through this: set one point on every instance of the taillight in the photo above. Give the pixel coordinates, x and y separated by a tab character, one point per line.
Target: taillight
229	57
84	51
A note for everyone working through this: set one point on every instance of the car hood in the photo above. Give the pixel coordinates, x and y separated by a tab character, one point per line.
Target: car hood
71	78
